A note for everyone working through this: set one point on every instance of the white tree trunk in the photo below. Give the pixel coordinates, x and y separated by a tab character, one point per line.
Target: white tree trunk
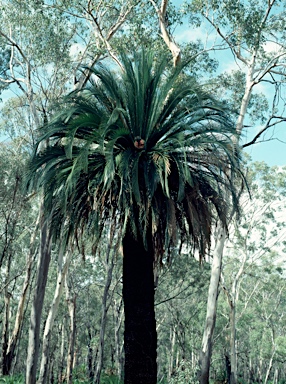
62	355
270	364
233	359
172	352
20	310
71	301
247	94
205	356
213	293
110	257
6	319
104	308
173	47
118	313
51	316
37	305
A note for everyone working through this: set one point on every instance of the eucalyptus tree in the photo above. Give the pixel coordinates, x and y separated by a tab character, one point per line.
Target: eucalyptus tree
145	148
258	236
16	254
253	33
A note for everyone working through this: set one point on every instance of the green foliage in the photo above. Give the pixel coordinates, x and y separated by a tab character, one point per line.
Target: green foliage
15	379
43	31
184	374
57	40
80	377
232	86
110	379
145	143
183	280
242	21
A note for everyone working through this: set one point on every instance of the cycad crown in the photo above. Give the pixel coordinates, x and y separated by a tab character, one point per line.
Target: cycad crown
145	144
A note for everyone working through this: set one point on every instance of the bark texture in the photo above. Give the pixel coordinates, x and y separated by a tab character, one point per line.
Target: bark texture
44	369
206	351
140	336
71	301
37	305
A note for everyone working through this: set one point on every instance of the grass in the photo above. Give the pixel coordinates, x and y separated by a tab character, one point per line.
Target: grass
79	379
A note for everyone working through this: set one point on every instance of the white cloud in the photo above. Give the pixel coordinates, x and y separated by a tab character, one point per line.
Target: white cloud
76	49
271	47
187	34
229	65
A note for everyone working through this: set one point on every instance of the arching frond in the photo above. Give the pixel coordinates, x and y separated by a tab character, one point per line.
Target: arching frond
145	143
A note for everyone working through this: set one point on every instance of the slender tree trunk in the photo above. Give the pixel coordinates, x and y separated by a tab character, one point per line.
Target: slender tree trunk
233	358
269	368
118	313
6	318
13	341
105	307
259	369
62	356
8	358
37	305
5	330
71	301
173	47
247	94
172	352
232	298
140	335
205	355
104	304
270	364
44	370
227	368
90	356
275	379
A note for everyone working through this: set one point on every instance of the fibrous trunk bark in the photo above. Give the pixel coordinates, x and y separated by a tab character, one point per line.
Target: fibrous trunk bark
38	301
140	335
205	355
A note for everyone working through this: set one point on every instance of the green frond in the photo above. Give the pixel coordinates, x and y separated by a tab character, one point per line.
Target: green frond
143	143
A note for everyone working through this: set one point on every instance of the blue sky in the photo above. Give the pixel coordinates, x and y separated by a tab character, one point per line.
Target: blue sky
273	148
273	152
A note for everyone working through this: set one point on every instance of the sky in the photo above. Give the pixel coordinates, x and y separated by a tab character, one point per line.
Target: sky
271	147
273	150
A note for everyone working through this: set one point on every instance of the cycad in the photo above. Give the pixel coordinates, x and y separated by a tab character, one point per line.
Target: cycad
145	145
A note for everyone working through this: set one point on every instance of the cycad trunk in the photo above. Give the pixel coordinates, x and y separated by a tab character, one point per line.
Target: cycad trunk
140	336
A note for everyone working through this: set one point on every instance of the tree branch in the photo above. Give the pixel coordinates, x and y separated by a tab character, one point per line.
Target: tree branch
174	48
267	126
